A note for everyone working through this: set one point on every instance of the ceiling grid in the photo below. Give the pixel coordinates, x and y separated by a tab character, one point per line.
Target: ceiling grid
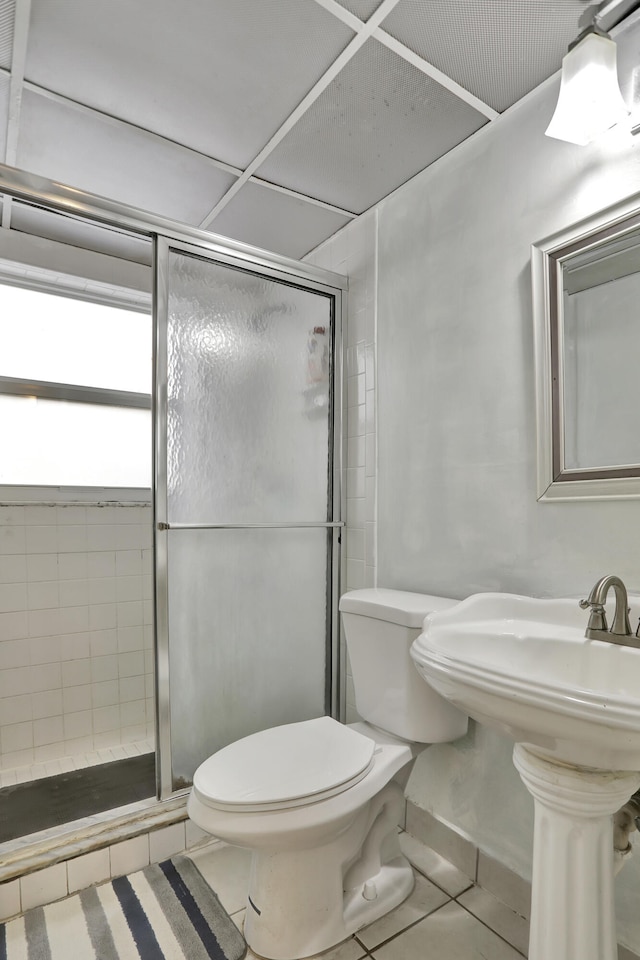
338	102
22	14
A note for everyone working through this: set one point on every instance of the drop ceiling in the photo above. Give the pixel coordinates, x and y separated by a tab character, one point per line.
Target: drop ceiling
274	122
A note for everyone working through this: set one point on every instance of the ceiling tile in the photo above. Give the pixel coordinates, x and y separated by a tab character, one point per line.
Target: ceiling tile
116	161
378	123
498	50
7	16
196	71
361	8
276	221
4	114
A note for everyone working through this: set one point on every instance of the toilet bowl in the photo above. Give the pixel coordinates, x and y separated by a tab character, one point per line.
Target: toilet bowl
317	802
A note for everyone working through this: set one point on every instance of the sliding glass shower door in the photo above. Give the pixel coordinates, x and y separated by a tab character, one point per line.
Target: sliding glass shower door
247	510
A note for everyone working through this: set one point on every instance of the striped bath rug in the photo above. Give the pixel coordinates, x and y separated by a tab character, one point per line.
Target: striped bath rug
165	912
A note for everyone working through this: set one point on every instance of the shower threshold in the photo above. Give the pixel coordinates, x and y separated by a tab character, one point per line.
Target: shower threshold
36	805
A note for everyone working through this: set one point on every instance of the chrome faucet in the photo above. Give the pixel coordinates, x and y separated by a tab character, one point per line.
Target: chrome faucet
620	630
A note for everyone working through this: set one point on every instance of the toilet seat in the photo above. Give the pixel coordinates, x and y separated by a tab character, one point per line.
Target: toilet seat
284	767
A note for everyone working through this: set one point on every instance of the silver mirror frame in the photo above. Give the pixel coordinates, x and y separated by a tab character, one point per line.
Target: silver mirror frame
554	481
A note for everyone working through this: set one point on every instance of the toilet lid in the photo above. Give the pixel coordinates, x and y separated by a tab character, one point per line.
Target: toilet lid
285	766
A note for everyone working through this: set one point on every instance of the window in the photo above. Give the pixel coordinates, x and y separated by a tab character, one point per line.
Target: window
75	386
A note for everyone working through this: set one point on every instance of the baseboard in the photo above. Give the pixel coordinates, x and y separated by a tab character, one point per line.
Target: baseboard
487	872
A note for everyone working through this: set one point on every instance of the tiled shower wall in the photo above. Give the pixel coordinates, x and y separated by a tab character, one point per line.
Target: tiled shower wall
76	634
352	252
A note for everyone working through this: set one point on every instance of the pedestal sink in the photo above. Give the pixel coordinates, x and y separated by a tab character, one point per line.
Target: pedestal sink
572	706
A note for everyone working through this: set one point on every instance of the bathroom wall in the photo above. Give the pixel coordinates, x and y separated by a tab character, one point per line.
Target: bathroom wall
352	252
457	510
76	638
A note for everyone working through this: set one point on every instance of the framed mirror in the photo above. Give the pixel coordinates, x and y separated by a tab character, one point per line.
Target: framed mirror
586	305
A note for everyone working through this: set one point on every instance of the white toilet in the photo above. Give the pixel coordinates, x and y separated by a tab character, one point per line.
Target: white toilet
316	801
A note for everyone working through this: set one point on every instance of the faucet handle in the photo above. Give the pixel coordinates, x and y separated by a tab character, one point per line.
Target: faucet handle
597	617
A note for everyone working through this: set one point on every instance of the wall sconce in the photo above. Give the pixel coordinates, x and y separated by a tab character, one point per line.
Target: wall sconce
590	101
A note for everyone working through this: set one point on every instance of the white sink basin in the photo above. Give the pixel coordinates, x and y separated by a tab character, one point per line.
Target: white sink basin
524	666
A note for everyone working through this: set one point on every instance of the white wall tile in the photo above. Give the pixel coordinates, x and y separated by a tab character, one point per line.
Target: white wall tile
13	569
47	731
12	516
370	455
78	724
101	537
74	593
72	514
41	539
64	622
44	886
103	616
73	619
133	714
356	451
101	564
42	595
105	694
128	563
131	664
9	899
73	566
130	613
44	623
106	719
131	688
13	540
19	758
13	596
130	638
14	626
194	835
76	672
44	649
104	668
14	653
104	590
356	421
166	842
355	574
75	699
355	544
75	646
129	856
16	736
47	704
355	482
16	709
37	514
103	642
89	869
73	539
15	682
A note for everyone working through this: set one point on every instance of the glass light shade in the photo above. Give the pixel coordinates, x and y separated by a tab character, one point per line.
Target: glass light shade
590	101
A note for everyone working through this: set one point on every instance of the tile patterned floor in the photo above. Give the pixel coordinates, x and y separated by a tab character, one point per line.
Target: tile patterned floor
446	916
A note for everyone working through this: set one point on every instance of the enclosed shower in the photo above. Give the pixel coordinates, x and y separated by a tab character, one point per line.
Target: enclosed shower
234	544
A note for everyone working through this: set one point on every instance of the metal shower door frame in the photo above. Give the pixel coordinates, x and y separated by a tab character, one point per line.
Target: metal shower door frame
66	199
162	526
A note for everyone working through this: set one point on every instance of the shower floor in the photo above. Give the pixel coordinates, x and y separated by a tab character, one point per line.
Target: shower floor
50	801
50	768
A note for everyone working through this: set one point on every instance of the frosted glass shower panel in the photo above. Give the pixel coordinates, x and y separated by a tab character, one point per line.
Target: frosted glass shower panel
248	399
248	628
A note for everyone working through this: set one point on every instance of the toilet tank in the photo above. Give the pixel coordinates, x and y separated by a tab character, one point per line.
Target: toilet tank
379	627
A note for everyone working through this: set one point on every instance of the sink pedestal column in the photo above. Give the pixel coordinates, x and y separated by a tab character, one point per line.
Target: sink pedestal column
572	907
